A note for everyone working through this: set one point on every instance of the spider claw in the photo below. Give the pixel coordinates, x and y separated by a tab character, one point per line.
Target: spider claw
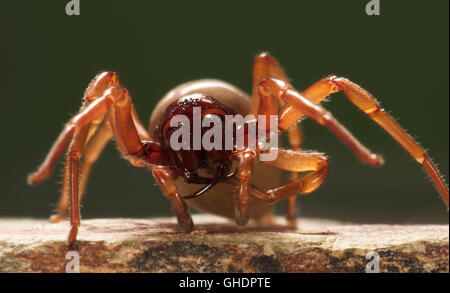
376	160
34	178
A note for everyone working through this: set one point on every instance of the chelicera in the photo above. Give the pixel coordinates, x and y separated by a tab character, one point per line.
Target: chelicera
248	186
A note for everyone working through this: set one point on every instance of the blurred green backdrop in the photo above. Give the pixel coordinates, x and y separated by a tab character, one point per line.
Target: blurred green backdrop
401	56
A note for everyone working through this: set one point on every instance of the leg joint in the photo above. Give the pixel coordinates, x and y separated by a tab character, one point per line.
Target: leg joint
322	164
273	87
334	85
117	95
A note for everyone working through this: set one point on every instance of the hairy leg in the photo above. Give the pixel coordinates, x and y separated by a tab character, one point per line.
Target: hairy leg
266	66
295	136
245	174
116	103
294	161
90	155
271	89
362	100
166	181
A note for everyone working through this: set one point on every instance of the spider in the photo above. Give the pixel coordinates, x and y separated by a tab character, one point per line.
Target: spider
107	112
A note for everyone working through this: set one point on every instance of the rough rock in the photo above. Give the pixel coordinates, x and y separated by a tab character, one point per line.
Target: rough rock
217	245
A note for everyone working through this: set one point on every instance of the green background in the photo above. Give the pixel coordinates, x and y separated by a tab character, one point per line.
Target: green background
401	56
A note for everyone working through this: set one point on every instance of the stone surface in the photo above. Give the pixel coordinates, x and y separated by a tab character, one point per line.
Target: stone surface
216	245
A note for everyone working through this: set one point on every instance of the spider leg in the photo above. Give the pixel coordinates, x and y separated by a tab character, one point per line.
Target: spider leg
294	161
266	66
295	136
83	139
245	174
143	134
95	110
76	145
166	180
92	151
116	103
90	155
272	88
369	105
95	90
73	157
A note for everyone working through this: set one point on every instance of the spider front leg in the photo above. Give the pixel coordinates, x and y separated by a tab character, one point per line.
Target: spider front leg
244	174
295	136
94	91
117	102
295	161
289	160
274	89
77	128
90	155
361	99
266	66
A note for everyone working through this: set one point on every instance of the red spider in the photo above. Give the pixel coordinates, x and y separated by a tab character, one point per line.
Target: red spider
107	111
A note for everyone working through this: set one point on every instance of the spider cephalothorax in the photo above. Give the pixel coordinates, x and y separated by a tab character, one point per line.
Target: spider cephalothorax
183	143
